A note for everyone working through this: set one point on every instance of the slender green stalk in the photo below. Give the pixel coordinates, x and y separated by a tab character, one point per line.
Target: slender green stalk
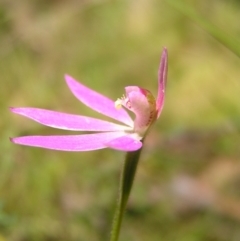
126	181
231	42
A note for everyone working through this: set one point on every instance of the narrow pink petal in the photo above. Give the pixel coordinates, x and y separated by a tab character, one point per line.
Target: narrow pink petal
68	121
162	79
98	102
125	143
86	142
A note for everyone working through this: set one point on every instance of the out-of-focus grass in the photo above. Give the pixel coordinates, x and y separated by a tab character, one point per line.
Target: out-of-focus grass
187	182
222	36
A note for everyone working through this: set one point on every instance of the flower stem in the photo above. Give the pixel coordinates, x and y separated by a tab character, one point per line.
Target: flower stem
126	181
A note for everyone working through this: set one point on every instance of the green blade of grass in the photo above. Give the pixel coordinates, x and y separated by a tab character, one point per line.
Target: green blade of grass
224	38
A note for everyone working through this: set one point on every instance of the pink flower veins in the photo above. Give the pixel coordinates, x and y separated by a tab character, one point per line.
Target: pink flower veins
126	136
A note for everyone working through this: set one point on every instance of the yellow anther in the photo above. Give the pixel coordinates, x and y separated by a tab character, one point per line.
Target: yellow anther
118	103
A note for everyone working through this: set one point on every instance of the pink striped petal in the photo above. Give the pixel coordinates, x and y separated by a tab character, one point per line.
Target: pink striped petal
68	121
162	79
97	101
86	142
125	143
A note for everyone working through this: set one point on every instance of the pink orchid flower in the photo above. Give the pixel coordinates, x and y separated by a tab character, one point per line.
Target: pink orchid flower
127	136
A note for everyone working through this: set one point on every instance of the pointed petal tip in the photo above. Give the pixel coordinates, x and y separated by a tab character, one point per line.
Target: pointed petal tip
19	110
11	139
164	54
67	78
13	109
14	140
70	80
165	49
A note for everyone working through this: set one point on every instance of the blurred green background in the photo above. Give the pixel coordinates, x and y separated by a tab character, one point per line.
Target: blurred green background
187	187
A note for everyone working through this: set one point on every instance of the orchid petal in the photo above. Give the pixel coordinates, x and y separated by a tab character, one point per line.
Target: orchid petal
86	142
162	79
98	102
68	121
142	103
125	143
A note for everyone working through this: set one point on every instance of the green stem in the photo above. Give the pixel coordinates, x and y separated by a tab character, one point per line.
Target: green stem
126	181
